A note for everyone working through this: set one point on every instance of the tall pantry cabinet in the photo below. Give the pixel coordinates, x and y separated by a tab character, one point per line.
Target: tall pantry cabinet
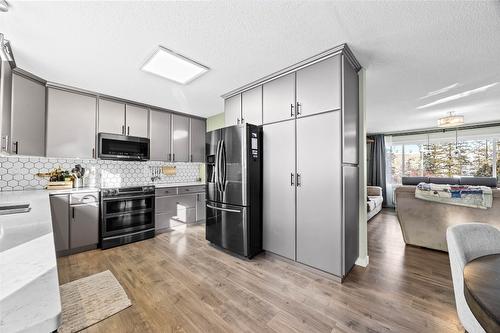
310	171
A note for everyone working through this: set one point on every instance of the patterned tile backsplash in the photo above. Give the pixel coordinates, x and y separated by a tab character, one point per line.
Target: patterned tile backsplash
19	172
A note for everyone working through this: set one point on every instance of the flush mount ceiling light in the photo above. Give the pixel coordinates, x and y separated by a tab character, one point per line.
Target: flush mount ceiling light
4	6
451	120
173	66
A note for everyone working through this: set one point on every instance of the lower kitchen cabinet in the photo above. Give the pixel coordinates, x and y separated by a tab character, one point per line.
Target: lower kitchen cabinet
75	222
201	206
59	205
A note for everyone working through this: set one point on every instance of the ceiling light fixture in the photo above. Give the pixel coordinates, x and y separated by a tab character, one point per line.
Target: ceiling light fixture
451	120
173	66
457	96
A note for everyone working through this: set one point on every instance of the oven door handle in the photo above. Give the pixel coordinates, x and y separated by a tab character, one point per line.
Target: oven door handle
128	197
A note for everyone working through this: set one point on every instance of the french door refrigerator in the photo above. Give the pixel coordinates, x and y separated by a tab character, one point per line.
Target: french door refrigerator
234	189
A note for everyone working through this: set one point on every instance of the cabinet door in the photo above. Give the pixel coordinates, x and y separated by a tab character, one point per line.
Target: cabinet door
84	230
251	106
70	124
180	138
59	209
232	110
278	97
319	192
160	136
278	206
137	121
111	117
28	116
319	87
351	114
200	206
198	132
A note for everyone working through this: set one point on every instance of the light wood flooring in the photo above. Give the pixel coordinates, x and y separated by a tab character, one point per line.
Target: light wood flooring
178	283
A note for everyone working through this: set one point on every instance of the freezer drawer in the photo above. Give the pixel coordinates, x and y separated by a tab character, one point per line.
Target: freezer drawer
226	226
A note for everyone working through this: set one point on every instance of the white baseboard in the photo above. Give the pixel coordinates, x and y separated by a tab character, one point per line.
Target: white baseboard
362	261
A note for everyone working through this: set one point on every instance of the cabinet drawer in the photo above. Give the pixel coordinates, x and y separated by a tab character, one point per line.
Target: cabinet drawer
166	204
81	198
191	189
164	220
166	191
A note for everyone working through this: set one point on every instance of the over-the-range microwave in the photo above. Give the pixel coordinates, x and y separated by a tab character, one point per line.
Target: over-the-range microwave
122	147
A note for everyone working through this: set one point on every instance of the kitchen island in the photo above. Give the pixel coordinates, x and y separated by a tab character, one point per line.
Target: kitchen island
29	286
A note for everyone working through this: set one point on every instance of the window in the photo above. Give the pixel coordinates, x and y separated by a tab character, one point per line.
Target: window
445	154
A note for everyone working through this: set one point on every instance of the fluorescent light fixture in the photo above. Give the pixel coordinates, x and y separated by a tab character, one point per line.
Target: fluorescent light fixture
457	96
440	91
173	66
451	120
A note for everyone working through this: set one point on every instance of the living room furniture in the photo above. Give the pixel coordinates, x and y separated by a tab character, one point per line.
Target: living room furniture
467	242
482	290
424	223
374	201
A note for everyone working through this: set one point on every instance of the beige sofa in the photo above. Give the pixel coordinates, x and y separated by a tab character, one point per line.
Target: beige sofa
424	223
374	202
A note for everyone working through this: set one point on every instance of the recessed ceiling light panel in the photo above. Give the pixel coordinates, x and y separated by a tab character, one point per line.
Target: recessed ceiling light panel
173	66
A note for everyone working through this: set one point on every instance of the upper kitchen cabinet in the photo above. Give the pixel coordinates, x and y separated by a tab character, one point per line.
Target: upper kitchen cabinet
232	110
70	124
197	146
120	118
111	117
28	116
251	106
136	120
180	138
160	135
350	114
278	99
319	87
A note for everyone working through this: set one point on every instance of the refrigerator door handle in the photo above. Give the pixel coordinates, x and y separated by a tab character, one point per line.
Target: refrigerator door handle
224	209
223	165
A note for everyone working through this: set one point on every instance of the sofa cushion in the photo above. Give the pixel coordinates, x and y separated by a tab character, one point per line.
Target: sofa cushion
414	180
445	180
374	201
479	181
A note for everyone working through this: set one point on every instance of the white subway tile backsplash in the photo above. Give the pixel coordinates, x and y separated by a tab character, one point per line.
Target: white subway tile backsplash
18	173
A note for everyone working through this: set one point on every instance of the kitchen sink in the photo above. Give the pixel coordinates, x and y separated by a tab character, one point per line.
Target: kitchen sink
14	208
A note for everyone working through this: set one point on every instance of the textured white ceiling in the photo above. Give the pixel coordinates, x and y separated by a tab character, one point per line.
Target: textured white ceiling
409	49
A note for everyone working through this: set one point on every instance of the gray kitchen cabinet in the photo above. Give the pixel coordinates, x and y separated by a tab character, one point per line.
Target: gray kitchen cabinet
319	192
350	114
165	208
180	138
278	99
84	225
28	116
71	121
60	221
160	135
111	117
201	208
137	121
319	87
5	104
198	131
251	106
278	198
232	110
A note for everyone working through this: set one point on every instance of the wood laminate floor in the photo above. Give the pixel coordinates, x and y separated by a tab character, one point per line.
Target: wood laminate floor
179	283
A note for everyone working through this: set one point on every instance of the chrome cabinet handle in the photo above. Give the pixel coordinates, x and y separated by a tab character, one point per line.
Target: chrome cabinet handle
128	130
291	179
224	209
291	110
170	157
238	120
299	180
242	120
17	147
173	157
123	129
299	106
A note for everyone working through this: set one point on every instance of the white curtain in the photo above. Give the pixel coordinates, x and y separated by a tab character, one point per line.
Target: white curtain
388	172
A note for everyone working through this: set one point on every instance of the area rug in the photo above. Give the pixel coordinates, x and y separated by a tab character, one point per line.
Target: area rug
89	300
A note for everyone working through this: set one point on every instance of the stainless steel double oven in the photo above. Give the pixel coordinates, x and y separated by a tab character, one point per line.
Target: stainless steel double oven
127	215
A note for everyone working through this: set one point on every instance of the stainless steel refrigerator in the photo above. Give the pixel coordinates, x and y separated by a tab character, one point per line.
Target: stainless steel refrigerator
234	189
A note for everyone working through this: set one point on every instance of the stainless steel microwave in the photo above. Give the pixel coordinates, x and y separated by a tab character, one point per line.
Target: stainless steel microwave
122	147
